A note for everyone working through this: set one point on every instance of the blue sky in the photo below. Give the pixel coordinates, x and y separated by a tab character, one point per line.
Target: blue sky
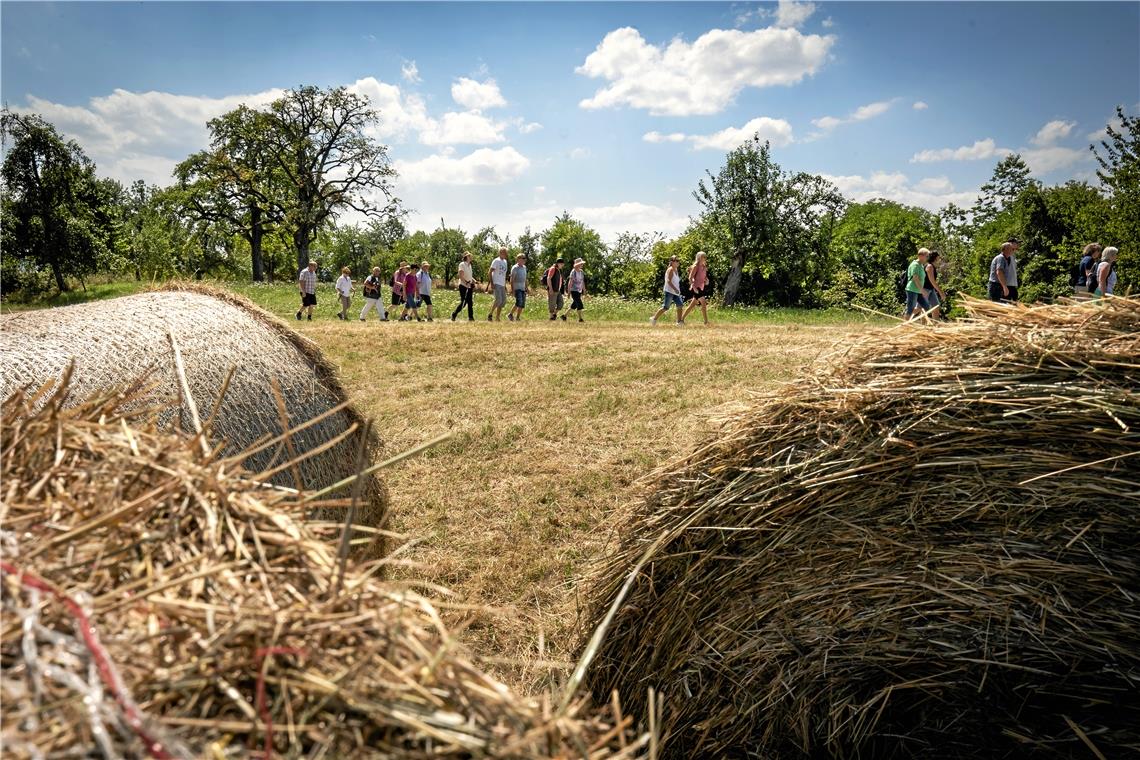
505	114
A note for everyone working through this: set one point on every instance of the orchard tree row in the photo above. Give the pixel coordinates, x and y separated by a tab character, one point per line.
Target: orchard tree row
275	184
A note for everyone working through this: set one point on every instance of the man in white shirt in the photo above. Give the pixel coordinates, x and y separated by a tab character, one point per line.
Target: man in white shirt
497	275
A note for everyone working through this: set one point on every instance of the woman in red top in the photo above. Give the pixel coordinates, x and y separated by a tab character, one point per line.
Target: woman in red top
699	285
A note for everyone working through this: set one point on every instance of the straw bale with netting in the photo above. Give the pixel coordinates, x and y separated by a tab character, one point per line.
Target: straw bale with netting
927	547
158	601
244	370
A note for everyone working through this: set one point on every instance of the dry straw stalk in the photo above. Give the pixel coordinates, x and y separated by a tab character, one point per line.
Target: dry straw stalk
927	548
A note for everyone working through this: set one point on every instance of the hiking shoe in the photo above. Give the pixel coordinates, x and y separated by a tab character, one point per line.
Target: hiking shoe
553	317
362	319
309	317
430	319
563	317
510	317
298	316
490	318
581	320
653	320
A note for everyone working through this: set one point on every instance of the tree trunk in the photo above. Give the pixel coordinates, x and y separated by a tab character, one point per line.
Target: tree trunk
59	283
255	235
301	242
732	282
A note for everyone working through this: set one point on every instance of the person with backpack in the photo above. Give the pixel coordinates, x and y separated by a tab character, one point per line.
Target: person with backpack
916	303
518	287
1106	273
372	298
930	287
577	286
552	279
397	285
1084	281
466	288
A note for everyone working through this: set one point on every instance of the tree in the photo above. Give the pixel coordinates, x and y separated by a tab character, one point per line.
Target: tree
777	226
1119	173
627	270
236	181
56	213
570	239
318	141
447	246
152	230
1010	178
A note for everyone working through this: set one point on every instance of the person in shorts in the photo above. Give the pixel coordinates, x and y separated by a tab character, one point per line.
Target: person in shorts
930	287
576	282
554	288
411	294
672	289
397	284
372	298
1003	273
497	282
518	288
700	286
423	281
307	284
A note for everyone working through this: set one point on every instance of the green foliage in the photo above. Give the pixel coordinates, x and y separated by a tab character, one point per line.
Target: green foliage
571	239
1010	179
777	226
626	269
1119	173
872	244
57	216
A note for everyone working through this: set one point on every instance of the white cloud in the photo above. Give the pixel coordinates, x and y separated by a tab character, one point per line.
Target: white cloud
400	113
776	131
470	127
1052	132
485	166
410	72
658	137
981	149
862	113
529	127
920	105
827	23
477	95
701	77
577	154
790	14
1052	157
931	193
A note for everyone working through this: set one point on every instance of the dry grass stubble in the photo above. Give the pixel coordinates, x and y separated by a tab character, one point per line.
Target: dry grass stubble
552	423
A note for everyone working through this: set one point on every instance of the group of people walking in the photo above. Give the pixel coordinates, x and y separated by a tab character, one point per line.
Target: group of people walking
411	289
1094	276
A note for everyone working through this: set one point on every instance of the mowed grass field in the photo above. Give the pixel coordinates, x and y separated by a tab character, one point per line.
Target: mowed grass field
552	424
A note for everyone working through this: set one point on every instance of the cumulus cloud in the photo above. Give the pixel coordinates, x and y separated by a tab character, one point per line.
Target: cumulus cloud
477	95
410	72
776	131
485	166
981	149
527	128
1052	132
920	105
931	193
790	14
658	137
467	127
862	113
1053	157
577	154
702	77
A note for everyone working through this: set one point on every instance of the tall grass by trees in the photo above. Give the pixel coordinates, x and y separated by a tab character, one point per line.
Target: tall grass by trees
273	186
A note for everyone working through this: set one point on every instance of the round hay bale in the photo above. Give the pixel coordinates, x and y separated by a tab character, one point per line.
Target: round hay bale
118	341
927	548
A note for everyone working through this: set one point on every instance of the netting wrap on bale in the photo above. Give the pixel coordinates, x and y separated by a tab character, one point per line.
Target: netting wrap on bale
280	380
928	547
158	602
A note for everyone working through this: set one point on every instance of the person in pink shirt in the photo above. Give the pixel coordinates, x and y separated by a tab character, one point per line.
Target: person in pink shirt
411	294
700	286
